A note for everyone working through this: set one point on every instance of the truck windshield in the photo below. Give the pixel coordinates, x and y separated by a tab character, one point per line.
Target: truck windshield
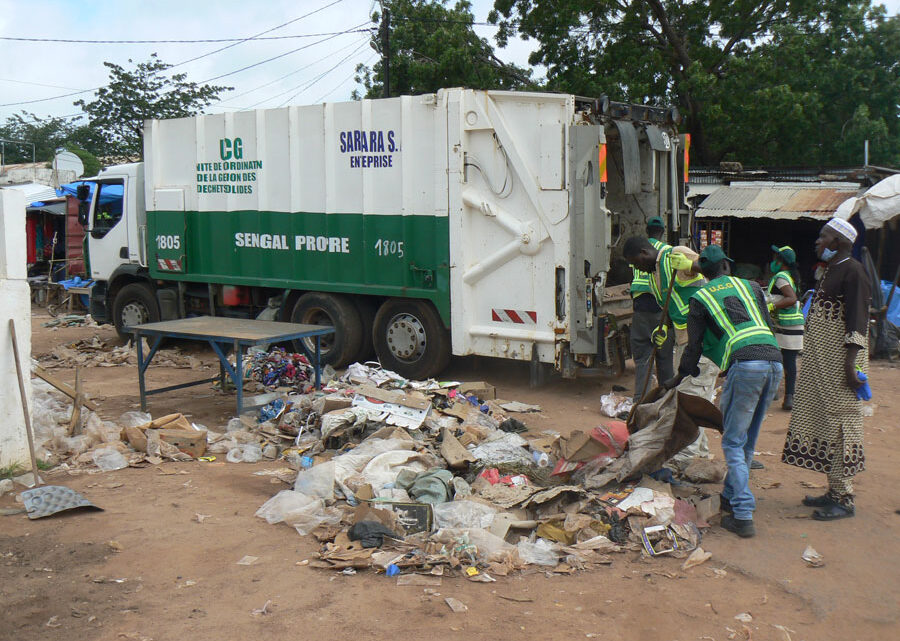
107	208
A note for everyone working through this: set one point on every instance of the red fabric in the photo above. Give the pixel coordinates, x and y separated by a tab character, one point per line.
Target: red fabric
31	239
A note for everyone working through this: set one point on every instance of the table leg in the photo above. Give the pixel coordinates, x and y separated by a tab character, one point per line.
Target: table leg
318	362
140	361
239	383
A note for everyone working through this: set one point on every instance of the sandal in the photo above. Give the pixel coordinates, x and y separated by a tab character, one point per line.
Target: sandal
832	513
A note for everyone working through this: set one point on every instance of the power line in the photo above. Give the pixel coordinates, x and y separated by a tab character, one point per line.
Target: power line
287	75
322	75
152	42
78	93
341	83
256	35
282	55
36	84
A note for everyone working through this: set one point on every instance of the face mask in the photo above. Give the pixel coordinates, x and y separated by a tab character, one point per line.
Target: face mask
828	254
773	266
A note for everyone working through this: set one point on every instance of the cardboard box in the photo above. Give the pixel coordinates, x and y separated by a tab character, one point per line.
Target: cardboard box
484	391
192	442
454	453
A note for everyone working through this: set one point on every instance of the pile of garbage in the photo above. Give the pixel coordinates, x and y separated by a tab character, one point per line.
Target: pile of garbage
428	477
95	352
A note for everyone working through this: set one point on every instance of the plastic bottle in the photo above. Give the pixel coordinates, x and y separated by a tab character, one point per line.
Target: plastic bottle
542	459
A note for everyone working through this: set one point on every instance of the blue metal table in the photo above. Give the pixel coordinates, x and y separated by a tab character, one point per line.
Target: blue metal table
222	334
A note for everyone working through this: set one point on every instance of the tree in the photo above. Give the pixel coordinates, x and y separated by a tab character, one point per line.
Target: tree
769	81
118	110
433	46
48	135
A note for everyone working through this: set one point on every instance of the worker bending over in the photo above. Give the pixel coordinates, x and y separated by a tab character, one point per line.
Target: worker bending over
645	319
728	321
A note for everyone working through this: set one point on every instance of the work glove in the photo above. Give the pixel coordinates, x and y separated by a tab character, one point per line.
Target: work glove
681	262
659	335
771	309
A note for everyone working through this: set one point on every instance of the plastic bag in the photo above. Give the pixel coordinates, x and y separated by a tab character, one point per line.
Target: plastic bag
234	424
487	546
308	518
614	404
503	447
134	419
541	552
463	514
246	453
284	505
109	459
100	431
461	489
317	481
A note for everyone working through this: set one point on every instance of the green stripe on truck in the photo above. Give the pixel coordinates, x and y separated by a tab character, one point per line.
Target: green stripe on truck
382	255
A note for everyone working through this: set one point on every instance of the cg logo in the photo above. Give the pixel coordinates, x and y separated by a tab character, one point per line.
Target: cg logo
229	149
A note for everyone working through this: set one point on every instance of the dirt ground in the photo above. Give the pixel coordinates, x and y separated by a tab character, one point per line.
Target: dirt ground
177	578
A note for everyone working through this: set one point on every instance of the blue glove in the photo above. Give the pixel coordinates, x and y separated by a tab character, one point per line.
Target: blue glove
864	392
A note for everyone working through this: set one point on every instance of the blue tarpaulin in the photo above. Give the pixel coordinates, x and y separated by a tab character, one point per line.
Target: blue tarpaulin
109	193
893	313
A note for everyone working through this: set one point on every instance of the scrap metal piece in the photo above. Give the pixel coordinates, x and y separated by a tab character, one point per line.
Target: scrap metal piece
50	499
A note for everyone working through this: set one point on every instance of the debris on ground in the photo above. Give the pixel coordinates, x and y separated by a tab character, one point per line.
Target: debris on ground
94	352
813	559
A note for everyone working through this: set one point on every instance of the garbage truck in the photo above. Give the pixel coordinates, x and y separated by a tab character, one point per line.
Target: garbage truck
461	222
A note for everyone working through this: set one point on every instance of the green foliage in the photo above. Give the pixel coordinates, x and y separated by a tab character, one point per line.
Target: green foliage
433	46
118	110
775	82
47	134
9	471
90	161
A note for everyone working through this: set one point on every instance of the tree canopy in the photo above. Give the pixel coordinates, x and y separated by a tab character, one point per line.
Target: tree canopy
48	135
767	81
118	110
434	46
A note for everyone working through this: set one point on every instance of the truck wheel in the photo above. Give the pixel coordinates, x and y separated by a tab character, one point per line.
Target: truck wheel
338	349
135	304
410	338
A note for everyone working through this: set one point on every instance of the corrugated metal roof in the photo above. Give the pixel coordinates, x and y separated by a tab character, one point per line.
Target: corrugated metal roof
776	201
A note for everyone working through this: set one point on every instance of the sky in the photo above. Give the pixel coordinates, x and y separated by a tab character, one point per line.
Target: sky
305	70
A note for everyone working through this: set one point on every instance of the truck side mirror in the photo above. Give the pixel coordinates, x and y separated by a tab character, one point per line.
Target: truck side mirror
83	192
83	210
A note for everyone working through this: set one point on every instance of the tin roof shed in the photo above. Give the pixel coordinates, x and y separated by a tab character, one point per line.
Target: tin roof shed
776	200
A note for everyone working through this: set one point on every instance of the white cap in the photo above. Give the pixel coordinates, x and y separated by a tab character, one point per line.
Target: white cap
843	228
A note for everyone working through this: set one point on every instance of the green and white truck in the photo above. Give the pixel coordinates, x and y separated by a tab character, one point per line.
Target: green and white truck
461	222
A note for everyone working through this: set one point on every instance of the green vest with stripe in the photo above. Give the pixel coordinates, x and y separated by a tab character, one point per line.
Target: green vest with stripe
754	331
789	316
678	304
640	283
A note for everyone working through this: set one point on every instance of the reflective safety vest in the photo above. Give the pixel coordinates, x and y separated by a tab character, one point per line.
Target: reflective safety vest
640	282
789	316
733	335
681	293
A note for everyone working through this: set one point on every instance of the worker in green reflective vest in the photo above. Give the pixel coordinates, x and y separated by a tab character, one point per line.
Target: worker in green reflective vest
729	323
645	319
784	306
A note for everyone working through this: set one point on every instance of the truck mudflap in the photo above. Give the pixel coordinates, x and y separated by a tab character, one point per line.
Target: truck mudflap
98	304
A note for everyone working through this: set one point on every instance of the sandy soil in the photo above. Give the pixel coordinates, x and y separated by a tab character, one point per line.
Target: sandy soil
177	578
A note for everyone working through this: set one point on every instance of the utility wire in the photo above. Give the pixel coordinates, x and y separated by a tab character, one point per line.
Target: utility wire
287	75
341	83
322	75
256	35
282	55
154	42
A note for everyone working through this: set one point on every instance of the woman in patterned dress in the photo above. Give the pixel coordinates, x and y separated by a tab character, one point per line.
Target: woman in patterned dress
825	431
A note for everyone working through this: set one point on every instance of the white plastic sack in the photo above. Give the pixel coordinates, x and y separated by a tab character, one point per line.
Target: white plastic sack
109	459
463	514
134	419
490	546
246	453
284	505
503	447
317	481
541	552
384	468
356	459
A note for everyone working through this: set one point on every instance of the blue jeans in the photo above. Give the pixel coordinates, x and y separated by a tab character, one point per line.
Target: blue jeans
748	391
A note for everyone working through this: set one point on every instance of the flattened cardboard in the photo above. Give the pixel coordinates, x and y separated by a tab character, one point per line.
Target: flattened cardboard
454	453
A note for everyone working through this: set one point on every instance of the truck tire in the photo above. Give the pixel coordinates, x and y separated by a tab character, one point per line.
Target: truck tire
134	304
338	349
410	338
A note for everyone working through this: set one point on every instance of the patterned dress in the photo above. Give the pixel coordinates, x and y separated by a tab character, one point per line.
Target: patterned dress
826	428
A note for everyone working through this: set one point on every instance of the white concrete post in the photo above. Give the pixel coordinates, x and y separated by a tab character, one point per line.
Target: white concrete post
15	303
